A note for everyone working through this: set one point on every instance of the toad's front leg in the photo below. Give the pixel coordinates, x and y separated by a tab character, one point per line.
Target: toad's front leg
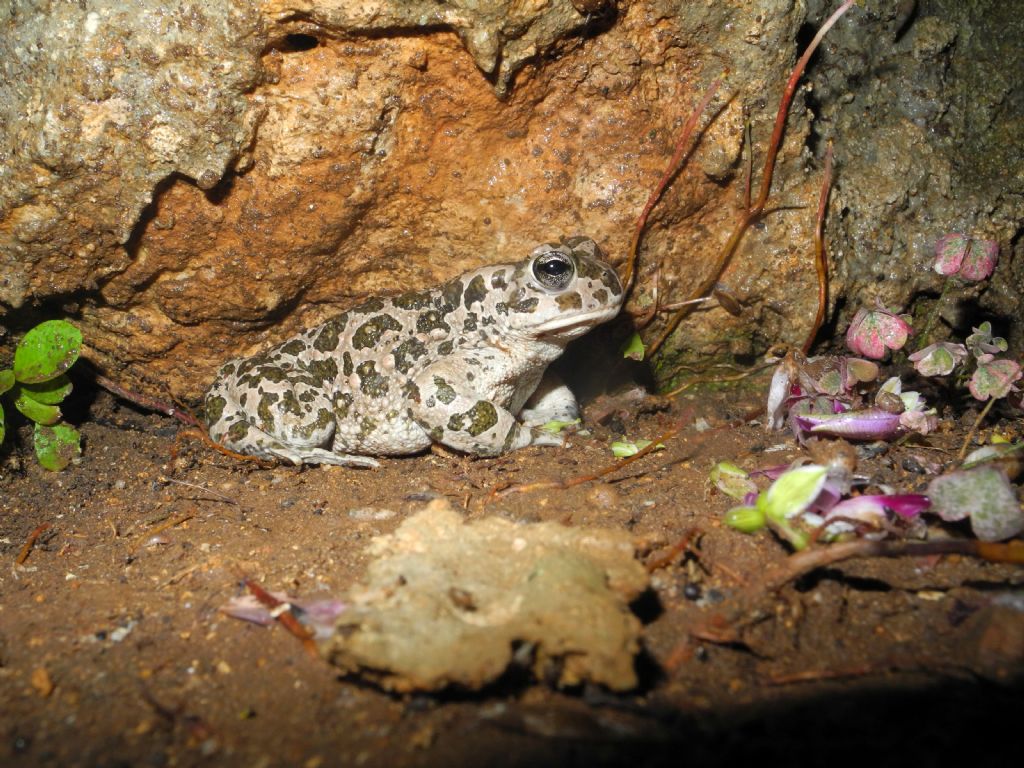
454	415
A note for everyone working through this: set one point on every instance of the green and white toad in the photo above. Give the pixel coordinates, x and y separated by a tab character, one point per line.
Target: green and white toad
456	365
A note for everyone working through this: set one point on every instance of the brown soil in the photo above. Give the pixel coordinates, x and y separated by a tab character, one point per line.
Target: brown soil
113	650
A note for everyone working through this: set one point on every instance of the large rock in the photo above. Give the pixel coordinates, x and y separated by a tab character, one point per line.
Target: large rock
299	156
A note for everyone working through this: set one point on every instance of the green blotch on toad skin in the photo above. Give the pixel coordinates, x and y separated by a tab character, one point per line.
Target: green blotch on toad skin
367	427
526	305
265	410
431	320
343	404
238	431
215	408
330	334
369	334
290	403
407	353
413	300
371	381
569	301
477	420
323	371
475	292
369	306
451	292
323	418
293	348
272	373
346	364
445	391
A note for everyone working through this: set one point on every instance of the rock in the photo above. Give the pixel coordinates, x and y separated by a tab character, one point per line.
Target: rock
191	182
447	603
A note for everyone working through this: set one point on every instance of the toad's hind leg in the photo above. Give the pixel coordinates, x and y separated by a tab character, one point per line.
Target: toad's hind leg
551	401
274	411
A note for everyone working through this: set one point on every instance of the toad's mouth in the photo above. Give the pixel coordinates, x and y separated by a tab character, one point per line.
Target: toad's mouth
565	322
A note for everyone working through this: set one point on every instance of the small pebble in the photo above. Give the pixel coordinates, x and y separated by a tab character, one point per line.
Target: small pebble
692	591
872	450
911	464
603	495
371	513
712	597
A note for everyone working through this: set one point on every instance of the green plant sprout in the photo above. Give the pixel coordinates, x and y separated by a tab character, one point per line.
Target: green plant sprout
37	382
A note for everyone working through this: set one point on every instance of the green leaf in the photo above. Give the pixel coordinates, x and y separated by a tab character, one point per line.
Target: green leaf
983	494
794	491
732	481
49	392
555	426
47	351
746	519
634	348
6	380
623	449
40	413
57	446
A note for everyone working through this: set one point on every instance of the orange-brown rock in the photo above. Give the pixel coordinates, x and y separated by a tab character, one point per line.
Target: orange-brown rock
193	184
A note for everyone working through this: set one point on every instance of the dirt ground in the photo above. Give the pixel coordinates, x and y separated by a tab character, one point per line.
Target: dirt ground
113	650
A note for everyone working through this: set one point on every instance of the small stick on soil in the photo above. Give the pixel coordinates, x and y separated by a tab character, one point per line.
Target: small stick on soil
820	256
171	523
669	557
30	542
974	428
161	528
147	402
497	492
282	611
212	492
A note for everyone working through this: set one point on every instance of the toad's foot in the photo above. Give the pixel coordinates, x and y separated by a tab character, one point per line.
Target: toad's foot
320	456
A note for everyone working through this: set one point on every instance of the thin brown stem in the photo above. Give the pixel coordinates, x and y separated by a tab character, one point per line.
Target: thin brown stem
787	99
820	256
754	212
147	402
974	428
680	153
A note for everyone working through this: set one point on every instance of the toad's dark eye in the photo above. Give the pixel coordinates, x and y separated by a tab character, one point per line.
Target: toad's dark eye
553	270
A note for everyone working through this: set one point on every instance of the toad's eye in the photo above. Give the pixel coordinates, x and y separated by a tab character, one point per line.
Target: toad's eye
553	270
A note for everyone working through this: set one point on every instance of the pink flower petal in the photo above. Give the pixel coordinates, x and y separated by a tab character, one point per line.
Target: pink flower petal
949	253
867	424
980	260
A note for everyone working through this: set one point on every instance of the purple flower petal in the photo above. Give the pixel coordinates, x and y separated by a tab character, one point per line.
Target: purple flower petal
867	424
869	508
771	473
